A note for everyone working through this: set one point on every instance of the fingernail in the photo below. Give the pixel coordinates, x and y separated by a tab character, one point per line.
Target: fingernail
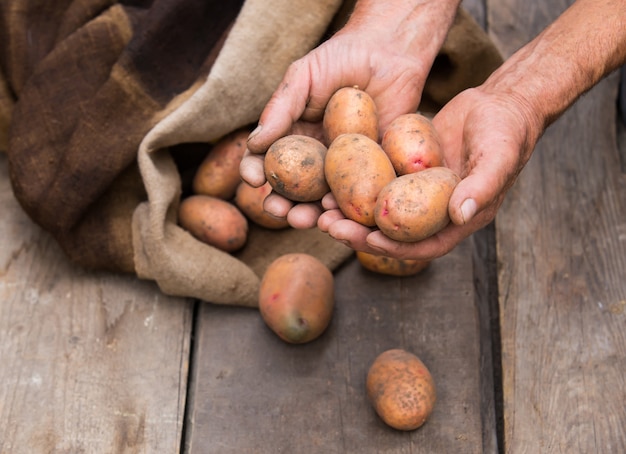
468	210
255	132
345	242
377	250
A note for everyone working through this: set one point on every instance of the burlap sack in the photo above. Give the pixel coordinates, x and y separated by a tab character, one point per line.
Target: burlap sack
87	80
100	107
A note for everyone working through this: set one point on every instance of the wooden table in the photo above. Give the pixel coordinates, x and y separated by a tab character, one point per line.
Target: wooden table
523	327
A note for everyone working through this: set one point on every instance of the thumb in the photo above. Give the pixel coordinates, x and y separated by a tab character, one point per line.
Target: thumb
482	189
283	109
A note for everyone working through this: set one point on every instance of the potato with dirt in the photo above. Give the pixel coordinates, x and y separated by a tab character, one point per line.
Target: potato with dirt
297	297
218	173
356	170
414	206
391	266
350	110
401	389
213	221
412	144
294	167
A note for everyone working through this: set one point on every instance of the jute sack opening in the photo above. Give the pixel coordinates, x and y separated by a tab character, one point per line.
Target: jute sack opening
129	223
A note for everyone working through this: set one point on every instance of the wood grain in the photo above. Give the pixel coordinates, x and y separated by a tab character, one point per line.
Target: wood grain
254	393
90	362
561	238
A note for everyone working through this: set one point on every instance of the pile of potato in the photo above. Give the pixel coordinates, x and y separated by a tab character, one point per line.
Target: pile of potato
398	185
222	204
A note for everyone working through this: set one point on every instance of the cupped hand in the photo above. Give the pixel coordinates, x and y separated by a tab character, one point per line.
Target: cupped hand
487	139
351	57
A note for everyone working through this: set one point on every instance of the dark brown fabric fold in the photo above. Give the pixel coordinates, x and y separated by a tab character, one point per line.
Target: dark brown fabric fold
91	78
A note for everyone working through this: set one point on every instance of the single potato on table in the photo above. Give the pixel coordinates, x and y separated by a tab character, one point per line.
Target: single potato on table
297	297
401	389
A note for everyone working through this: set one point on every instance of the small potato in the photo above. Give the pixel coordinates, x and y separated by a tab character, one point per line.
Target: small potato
401	389
412	144
350	111
218	174
294	166
357	169
391	266
297	297
415	206
250	201
214	221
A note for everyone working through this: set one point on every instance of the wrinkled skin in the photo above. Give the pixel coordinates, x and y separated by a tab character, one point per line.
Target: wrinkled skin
488	133
388	66
486	151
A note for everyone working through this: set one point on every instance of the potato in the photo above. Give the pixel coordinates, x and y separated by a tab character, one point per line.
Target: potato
390	266
412	144
350	111
218	174
357	169
296	297
415	206
214	221
294	166
250	201
401	389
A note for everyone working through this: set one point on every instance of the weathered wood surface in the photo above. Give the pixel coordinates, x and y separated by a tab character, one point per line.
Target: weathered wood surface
254	393
561	239
92	362
89	362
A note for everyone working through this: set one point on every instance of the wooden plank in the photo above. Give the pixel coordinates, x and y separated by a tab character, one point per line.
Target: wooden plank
90	362
486	296
254	393
561	238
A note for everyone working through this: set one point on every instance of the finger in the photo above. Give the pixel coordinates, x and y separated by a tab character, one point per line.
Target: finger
329	202
435	246
283	109
350	233
304	215
483	187
277	205
327	218
251	169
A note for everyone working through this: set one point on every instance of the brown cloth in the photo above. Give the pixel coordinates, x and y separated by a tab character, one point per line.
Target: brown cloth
97	97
